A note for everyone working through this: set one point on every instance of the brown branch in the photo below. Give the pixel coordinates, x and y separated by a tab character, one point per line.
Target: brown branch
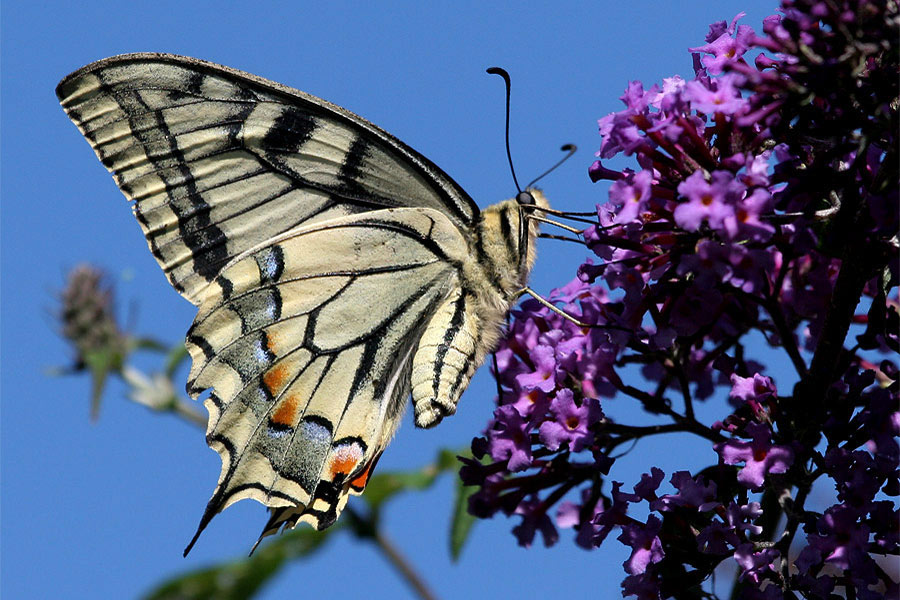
399	561
786	335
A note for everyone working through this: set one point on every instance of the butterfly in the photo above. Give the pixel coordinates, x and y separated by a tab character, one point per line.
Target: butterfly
336	271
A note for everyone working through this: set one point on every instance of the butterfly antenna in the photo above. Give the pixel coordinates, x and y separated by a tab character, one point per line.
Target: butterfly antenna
502	73
569	148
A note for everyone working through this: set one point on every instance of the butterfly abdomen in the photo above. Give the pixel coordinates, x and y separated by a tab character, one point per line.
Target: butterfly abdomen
468	324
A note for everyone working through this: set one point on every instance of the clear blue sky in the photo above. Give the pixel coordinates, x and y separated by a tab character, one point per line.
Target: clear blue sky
103	510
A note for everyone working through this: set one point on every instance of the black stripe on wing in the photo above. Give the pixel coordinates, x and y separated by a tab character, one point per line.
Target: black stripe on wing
207	242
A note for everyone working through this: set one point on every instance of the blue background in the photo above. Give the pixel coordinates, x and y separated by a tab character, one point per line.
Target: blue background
104	509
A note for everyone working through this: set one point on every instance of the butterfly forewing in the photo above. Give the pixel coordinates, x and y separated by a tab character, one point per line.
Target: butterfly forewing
218	161
334	268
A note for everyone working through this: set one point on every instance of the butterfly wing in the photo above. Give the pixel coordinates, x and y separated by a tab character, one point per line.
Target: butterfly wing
308	341
218	161
317	247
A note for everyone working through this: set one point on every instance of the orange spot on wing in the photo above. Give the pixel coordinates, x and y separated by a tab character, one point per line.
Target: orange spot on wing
275	377
272	341
286	413
344	460
341	465
360	481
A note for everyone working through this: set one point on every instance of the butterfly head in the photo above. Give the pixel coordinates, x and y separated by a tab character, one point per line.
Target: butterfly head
530	202
505	239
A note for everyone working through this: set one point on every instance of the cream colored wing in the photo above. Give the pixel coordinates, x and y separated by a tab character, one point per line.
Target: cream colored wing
308	342
335	269
218	161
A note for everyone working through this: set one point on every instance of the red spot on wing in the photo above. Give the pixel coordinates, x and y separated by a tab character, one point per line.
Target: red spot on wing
360	481
342	465
344	460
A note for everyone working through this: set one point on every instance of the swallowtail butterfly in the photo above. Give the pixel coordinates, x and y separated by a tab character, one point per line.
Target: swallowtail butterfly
336	271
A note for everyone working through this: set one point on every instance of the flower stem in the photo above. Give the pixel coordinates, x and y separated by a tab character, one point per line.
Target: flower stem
189	413
787	336
403	566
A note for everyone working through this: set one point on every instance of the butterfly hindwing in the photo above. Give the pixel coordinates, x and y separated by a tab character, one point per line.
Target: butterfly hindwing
309	388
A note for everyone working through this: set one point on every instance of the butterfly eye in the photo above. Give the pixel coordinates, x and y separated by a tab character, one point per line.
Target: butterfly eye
525	198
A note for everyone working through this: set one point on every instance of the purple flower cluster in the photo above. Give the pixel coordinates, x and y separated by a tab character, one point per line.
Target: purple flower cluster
765	202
